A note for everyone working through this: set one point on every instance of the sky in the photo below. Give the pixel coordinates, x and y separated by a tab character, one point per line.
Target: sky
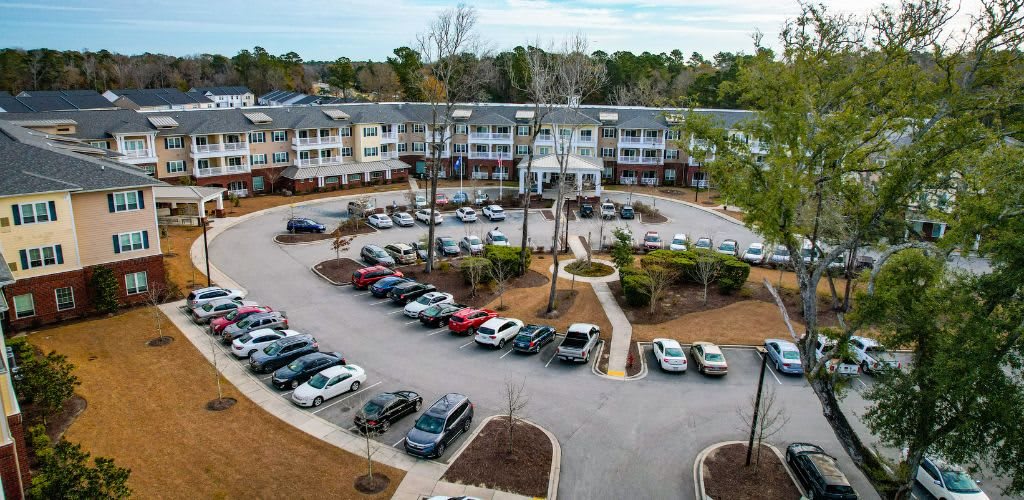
371	29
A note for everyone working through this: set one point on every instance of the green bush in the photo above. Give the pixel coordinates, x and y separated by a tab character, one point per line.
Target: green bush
628	271
104	288
475	267
733	274
506	257
63	471
681	263
635	287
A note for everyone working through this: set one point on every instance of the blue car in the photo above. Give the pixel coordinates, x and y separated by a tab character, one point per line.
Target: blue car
784	355
382	287
448	418
305	226
460	197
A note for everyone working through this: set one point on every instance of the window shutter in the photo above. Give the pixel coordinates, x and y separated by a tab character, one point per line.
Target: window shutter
110	202
53	211
142	201
145	239
60	253
17	214
24	259
117	244
167	143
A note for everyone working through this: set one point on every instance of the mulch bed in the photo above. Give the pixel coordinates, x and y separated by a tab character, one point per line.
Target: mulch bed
220	404
291	239
687	298
339	270
451	281
632	369
57	423
596	269
727	476
550	215
486	462
378	484
654	218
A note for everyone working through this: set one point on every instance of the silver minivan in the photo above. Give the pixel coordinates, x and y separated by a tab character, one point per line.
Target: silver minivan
401	252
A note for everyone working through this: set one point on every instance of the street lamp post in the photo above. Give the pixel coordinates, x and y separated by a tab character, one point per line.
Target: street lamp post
206	253
757	404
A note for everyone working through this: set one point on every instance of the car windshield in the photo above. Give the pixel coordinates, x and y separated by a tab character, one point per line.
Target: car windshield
526	337
485	331
297	365
497	237
208	306
432	310
430	423
957	481
790	355
782	252
651	237
371	408
703	242
678	241
448	243
728	246
713	356
473	240
754	251
244	323
272	349
875	349
232	315
379	253
245	338
673	352
318	381
497	209
424	300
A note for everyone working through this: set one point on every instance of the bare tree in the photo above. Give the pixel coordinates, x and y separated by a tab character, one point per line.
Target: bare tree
475	270
368	434
450	52
158	294
516	401
771	418
659	278
501	271
341	242
706	269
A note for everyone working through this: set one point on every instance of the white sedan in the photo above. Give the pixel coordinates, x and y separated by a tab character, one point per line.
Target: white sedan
494	212
466	214
496	331
670	355
755	254
413	309
379	221
423	215
403	219
942	480
329	383
256	340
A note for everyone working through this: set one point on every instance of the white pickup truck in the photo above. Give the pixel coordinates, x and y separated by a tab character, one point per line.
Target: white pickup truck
826	347
607	210
578	342
872	356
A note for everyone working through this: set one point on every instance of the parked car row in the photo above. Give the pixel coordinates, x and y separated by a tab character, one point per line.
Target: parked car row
708	357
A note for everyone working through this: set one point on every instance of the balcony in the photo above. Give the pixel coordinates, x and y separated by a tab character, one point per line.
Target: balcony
634	142
478	176
300	143
388	137
429	153
490	155
137	156
649	181
629	181
438	136
585	141
389	155
220	149
640	160
545	139
223	170
241	193
500	176
318	162
490	137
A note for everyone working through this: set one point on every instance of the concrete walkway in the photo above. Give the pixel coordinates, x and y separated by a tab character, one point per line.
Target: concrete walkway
622	331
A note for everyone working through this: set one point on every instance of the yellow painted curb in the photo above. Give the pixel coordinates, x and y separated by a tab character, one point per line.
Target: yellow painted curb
616	374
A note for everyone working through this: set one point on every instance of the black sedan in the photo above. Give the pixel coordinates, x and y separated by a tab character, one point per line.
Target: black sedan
302	369
385	409
447	246
439	314
532	338
818	472
408	292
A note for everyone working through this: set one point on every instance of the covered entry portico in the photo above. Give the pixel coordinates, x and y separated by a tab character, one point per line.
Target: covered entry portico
584	170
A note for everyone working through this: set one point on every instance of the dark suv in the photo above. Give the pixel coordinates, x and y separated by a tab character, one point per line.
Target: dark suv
818	472
586	210
300	370
376	256
445	420
407	292
305	226
282	352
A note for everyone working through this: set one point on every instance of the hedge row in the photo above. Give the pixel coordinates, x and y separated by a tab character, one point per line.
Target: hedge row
732	272
501	256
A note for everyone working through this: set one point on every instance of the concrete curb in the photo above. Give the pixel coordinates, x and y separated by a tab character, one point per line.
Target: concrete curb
638	376
301	243
325	278
643	362
698	468
562	273
688	203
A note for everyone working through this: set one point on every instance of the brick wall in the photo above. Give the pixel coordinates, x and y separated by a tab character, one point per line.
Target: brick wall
11	465
45	301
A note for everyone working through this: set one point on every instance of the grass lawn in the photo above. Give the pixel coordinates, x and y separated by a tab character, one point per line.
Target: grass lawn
146	410
746	322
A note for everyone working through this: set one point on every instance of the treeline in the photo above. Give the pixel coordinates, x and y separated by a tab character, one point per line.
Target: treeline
642	80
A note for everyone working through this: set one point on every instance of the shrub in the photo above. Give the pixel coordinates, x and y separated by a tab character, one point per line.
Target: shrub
104	289
622	248
635	287
681	263
732	275
506	256
475	269
64	471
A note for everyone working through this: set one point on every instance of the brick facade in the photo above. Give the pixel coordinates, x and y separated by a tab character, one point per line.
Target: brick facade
45	301
13	464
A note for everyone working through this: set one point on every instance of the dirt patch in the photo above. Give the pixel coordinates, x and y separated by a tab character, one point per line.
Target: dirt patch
160	341
221	404
486	461
451	281
550	215
564	300
348	230
177	262
370	485
634	362
339	271
56	424
735	215
727	476
743	323
654	218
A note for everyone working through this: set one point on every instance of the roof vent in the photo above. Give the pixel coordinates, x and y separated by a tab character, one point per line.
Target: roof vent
258	118
608	117
525	114
163	122
336	114
675	118
462	114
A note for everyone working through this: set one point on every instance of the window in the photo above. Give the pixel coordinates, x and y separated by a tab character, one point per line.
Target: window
401	128
355	177
257	137
98	144
149	169
522	149
402	147
236	186
673	135
608	132
460	128
65	298
523	130
419	128
543	150
370	151
586	135
607	152
346	151
279	136
345	132
260	159
462	148
32	213
585	151
370	132
133	241
331	180
175	166
173	143
419	147
43	256
670	174
234	161
202	164
671	154
136	282
257	183
281	157
125	201
937	230
24	306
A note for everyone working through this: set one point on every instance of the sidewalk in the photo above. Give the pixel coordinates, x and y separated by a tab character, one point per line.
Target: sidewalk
622	331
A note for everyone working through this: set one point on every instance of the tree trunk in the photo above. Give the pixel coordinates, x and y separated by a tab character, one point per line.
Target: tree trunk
432	200
554	249
526	215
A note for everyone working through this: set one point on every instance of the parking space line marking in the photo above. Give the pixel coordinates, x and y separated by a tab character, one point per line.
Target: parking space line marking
506	353
346	397
267	377
361	294
770	369
380	302
862	382
413	321
400	441
396	312
466	344
283	394
431	334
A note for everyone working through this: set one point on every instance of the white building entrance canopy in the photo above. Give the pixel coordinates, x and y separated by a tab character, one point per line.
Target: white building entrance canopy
586	171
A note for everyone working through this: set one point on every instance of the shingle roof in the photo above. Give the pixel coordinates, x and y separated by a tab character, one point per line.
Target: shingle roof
236	90
4	93
300	173
160	97
33	162
54	100
13	105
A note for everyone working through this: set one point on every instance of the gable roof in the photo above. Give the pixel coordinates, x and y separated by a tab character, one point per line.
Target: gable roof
160	97
235	90
54	100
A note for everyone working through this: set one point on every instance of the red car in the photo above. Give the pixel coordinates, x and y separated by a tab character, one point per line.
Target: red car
217	325
370	275
468	320
441	200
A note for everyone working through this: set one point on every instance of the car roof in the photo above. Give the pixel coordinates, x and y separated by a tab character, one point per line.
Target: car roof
295	338
400	246
669	342
757	245
444	405
402	214
333	371
785	345
679	235
828	468
865	340
495	322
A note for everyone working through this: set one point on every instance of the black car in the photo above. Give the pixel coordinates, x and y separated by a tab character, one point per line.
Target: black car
533	338
376	256
282	352
439	314
421	250
385	409
305	226
818	472
383	287
408	292
295	373
447	246
446	419
586	210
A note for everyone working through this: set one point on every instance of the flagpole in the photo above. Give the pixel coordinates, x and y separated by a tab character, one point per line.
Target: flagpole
501	182
461	175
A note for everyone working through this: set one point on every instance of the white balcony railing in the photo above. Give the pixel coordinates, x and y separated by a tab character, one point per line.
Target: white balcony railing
585	141
490	136
649	181
627	180
139	153
545	139
478	176
500	176
640	160
490	155
389	155
430	153
625	141
223	147
389	136
316	141
241	193
318	162
223	170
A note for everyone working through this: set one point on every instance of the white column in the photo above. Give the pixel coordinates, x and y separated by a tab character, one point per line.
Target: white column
540	183
319	182
597	185
220	201
387	174
151	145
579	183
366	177
522	180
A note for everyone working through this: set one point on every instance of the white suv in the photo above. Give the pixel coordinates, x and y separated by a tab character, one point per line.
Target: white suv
494	212
199	297
497	238
495	332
